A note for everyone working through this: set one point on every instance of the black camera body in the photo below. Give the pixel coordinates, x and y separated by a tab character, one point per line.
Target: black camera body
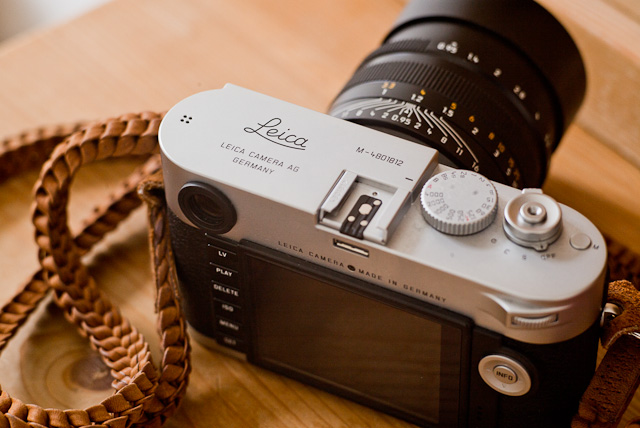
352	260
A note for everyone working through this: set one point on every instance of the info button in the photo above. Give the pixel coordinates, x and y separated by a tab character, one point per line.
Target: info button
505	374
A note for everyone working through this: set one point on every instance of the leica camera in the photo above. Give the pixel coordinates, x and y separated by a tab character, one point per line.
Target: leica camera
410	264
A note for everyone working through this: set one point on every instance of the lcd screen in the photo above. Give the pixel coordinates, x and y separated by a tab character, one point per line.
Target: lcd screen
360	343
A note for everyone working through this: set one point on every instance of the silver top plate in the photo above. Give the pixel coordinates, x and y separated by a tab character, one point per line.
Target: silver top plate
295	176
281	151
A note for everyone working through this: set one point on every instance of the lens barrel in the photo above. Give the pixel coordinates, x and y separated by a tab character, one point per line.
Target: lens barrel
492	85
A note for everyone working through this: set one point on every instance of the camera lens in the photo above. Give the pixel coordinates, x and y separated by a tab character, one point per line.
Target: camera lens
492	85
207	207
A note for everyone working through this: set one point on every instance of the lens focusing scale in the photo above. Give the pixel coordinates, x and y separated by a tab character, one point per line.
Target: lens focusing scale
490	94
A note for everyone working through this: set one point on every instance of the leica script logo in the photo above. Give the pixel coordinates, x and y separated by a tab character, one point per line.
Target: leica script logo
273	132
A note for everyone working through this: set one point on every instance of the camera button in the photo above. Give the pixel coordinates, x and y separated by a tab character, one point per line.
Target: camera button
227	310
533	220
505	375
229	327
226	293
222	256
580	241
224	275
231	342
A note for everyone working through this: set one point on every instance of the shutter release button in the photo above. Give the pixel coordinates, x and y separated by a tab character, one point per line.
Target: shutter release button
533	219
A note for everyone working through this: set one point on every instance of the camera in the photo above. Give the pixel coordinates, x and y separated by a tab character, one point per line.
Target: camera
351	260
406	269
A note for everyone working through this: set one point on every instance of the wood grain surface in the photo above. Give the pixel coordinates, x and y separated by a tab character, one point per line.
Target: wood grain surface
149	54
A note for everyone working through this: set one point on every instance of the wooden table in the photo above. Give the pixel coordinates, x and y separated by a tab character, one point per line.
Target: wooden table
147	55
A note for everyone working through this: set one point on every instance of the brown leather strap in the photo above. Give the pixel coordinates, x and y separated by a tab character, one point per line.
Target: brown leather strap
144	396
30	149
618	375
105	219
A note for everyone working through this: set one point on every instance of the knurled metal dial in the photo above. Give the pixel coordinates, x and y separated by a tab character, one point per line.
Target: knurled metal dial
459	202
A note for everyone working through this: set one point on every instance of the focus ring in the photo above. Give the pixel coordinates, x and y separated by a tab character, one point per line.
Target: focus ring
424	76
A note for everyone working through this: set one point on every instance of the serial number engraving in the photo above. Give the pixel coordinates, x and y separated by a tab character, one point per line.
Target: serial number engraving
382	157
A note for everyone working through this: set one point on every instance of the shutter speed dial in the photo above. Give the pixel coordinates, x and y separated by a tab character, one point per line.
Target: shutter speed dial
459	202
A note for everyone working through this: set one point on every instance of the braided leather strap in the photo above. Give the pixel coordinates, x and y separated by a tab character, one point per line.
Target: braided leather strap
144	396
30	149
105	219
